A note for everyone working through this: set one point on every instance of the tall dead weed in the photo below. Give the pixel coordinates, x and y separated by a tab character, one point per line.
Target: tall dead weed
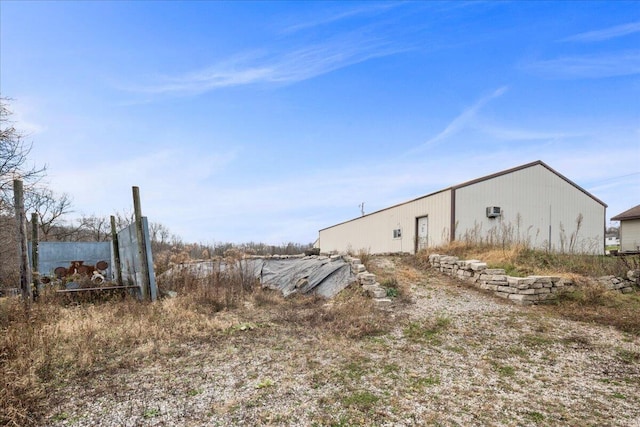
60	340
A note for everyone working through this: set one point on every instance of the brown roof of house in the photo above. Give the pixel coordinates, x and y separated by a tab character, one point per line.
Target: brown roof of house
633	213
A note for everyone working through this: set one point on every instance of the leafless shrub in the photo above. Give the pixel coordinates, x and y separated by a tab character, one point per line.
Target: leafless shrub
70	335
508	235
364	255
354	315
218	284
592	302
350	314
630	263
568	243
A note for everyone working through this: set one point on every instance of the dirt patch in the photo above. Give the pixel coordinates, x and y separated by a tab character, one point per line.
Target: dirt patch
445	354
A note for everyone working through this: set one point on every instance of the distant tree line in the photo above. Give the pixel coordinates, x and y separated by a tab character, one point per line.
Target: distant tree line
53	209
613	231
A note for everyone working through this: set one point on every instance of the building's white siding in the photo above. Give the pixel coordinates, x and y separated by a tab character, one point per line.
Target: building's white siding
612	241
538	207
630	235
374	232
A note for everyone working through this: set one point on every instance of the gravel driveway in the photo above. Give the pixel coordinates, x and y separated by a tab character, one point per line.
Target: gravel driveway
451	356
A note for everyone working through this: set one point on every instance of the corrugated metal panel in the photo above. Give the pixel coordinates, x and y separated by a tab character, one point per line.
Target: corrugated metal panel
131	260
630	235
52	255
538	207
375	232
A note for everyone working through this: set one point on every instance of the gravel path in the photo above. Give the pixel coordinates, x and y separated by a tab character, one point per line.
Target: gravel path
454	356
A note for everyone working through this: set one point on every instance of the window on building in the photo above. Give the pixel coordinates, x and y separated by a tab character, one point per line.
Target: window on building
397	233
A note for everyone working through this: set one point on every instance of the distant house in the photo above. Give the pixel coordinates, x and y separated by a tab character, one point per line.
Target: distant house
629	229
531	203
611	240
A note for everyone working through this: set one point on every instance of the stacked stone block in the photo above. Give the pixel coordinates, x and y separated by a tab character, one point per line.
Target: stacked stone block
617	283
521	290
368	282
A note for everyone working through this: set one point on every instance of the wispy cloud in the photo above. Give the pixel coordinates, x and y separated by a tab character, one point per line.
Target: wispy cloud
630	180
340	16
515	134
22	110
589	66
464	119
291	209
294	209
605	34
160	172
288	66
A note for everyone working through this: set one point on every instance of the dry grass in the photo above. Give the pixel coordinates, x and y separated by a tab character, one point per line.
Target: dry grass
593	303
359	365
395	274
59	341
520	260
54	343
590	302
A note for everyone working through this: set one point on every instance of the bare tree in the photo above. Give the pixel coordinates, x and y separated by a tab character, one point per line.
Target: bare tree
50	210
95	228
13	164
159	235
13	159
124	219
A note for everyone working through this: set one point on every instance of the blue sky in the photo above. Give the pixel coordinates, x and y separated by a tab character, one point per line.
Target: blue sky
267	121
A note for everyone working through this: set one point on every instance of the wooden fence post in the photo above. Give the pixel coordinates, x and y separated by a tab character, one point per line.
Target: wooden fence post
25	271
34	242
35	255
116	251
142	247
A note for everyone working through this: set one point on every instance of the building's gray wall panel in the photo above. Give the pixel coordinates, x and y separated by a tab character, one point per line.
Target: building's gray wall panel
52	255
532	199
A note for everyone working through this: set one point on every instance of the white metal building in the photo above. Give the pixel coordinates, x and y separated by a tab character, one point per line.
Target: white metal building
629	229
531	204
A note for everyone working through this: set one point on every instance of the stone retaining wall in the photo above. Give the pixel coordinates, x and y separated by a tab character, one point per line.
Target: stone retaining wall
521	290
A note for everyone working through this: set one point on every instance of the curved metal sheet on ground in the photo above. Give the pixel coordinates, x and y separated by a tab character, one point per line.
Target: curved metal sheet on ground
320	275
314	274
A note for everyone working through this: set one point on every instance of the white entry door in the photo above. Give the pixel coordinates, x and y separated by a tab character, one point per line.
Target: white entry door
423	233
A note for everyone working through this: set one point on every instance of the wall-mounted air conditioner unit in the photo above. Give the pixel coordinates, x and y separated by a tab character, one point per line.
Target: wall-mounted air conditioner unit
493	211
